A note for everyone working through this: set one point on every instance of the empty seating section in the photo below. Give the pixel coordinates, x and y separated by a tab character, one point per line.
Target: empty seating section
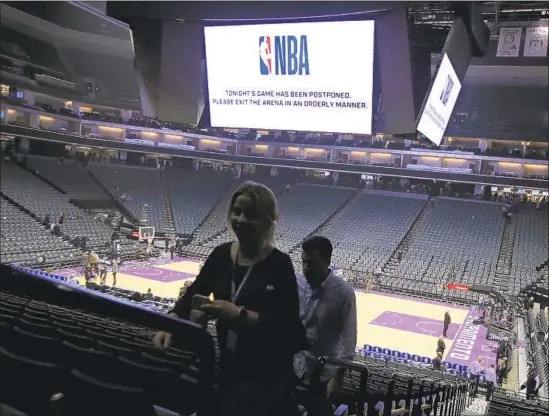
448	240
69	176
140	186
360	232
78	351
540	320
39	198
24	240
89	351
302	210
216	222
458	242
538	350
507	403
192	196
530	246
392	388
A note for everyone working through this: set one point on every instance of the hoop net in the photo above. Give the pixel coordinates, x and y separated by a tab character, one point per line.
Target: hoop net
146	233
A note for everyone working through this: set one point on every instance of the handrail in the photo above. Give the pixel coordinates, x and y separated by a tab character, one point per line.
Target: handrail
185	333
453	391
321	362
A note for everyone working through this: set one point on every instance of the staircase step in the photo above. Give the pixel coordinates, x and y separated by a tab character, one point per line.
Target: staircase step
417	226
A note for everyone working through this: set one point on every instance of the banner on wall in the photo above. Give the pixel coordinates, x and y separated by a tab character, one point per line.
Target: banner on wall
509	42
535	43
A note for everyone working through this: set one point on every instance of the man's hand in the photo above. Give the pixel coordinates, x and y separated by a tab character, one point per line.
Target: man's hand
221	309
163	339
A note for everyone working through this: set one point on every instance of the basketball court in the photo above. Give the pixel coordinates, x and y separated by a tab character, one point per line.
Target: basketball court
388	321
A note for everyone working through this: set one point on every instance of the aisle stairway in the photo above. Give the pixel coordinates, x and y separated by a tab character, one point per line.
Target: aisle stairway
215	223
295	252
477	407
503	266
333	218
168	225
392	265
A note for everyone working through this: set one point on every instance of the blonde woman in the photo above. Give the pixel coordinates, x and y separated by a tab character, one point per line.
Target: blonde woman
256	306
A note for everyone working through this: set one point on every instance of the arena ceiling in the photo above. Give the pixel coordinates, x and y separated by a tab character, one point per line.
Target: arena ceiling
422	13
442	13
431	20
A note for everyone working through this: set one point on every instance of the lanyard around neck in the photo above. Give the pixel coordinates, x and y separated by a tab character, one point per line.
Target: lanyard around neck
235	291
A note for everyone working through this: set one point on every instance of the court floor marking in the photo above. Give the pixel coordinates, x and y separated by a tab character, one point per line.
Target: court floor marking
369	307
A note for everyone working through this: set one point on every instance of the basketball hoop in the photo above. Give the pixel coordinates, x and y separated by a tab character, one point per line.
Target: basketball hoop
147	233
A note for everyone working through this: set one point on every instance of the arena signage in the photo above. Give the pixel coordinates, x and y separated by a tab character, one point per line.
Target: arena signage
440	103
439	169
496	333
306	76
465	342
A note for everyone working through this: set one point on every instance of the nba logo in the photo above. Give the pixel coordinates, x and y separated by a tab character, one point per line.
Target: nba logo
445	95
265	55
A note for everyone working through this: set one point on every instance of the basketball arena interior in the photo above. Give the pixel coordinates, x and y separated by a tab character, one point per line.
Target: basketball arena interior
127	127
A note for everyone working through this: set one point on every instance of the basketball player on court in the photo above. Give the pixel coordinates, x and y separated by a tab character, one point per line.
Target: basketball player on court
447	322
102	271
114	270
441	345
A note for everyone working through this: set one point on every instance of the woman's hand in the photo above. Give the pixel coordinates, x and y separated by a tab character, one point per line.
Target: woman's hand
199	317
221	309
162	340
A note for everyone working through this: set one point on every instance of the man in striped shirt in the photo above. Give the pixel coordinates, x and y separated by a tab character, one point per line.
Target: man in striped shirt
327	307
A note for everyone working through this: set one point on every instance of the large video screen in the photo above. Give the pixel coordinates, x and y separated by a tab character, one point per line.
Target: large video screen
440	103
291	76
